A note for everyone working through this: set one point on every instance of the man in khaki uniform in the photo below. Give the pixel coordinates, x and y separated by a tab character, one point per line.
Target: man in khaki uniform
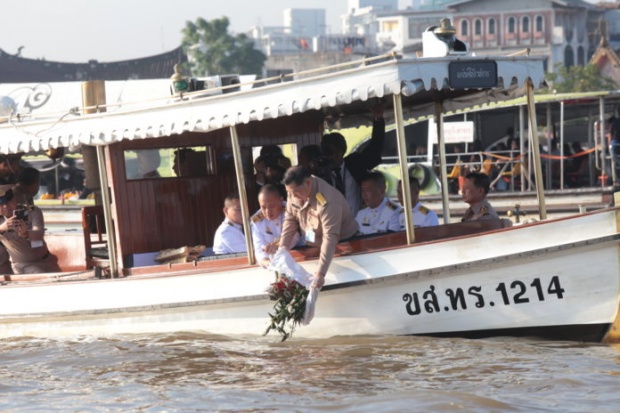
320	212
475	190
22	235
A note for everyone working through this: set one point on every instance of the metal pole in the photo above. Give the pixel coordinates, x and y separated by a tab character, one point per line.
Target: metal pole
522	151
243	197
601	108
93	94
533	126
562	145
591	144
107	210
441	148
404	167
549	131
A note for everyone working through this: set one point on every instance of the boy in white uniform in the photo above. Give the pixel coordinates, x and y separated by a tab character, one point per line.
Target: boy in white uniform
380	214
229	237
266	224
422	216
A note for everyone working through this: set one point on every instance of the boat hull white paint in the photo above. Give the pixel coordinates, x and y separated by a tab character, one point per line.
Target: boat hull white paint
567	271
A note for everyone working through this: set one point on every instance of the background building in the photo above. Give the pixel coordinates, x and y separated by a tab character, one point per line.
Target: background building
566	32
305	22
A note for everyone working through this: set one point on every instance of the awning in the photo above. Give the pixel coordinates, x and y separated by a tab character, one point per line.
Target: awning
422	82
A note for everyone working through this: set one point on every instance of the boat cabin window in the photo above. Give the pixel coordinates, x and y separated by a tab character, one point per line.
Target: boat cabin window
173	162
288	150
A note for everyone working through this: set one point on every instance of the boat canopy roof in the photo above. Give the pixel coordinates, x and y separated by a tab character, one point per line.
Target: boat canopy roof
457	82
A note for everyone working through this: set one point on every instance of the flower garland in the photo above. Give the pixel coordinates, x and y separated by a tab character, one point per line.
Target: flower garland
290	306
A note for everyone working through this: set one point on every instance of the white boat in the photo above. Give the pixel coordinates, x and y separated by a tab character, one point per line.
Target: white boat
556	278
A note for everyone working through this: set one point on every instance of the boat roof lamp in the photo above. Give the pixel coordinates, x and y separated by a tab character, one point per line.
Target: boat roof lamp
441	41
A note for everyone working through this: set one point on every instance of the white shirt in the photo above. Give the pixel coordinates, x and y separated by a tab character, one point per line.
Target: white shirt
229	238
266	231
422	217
383	218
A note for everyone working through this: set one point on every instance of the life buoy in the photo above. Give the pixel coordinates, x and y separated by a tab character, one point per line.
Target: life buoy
422	173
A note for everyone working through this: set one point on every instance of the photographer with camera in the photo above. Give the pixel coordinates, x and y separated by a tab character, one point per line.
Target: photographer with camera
21	232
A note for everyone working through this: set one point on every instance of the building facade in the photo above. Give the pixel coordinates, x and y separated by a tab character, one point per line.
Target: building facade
305	22
564	31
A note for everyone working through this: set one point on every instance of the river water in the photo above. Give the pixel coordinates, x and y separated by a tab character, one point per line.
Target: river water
201	373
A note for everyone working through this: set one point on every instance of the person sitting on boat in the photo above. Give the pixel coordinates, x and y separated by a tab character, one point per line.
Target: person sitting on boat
28	184
229	237
380	214
311	156
348	171
148	162
475	190
266	224
21	232
422	216
320	212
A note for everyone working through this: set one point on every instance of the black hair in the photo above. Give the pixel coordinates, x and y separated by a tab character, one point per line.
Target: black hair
414	183
480	180
28	176
270	189
231	197
333	140
375	176
296	175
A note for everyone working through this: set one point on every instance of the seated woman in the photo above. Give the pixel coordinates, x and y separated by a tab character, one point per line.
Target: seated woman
21	233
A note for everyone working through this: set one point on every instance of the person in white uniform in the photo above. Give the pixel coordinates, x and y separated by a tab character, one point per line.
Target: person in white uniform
380	214
229	237
266	224
422	216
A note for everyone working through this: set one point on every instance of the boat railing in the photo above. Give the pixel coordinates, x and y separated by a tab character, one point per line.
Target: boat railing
210	92
507	168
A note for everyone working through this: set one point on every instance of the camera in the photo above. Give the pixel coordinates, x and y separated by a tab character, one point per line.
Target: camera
21	212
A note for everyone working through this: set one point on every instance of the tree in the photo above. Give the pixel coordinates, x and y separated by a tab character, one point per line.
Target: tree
579	79
214	51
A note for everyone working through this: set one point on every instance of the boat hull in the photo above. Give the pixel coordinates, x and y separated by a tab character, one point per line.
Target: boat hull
539	278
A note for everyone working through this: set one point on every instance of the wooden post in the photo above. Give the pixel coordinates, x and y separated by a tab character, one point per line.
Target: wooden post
443	170
533	126
404	166
93	94
243	197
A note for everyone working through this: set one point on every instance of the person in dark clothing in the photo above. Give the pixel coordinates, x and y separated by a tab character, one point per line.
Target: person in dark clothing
311	157
347	172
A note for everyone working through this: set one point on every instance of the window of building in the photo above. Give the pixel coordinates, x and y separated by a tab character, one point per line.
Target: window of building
389	25
540	24
464	28
569	57
491	28
418	25
525	24
478	27
581	56
512	25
